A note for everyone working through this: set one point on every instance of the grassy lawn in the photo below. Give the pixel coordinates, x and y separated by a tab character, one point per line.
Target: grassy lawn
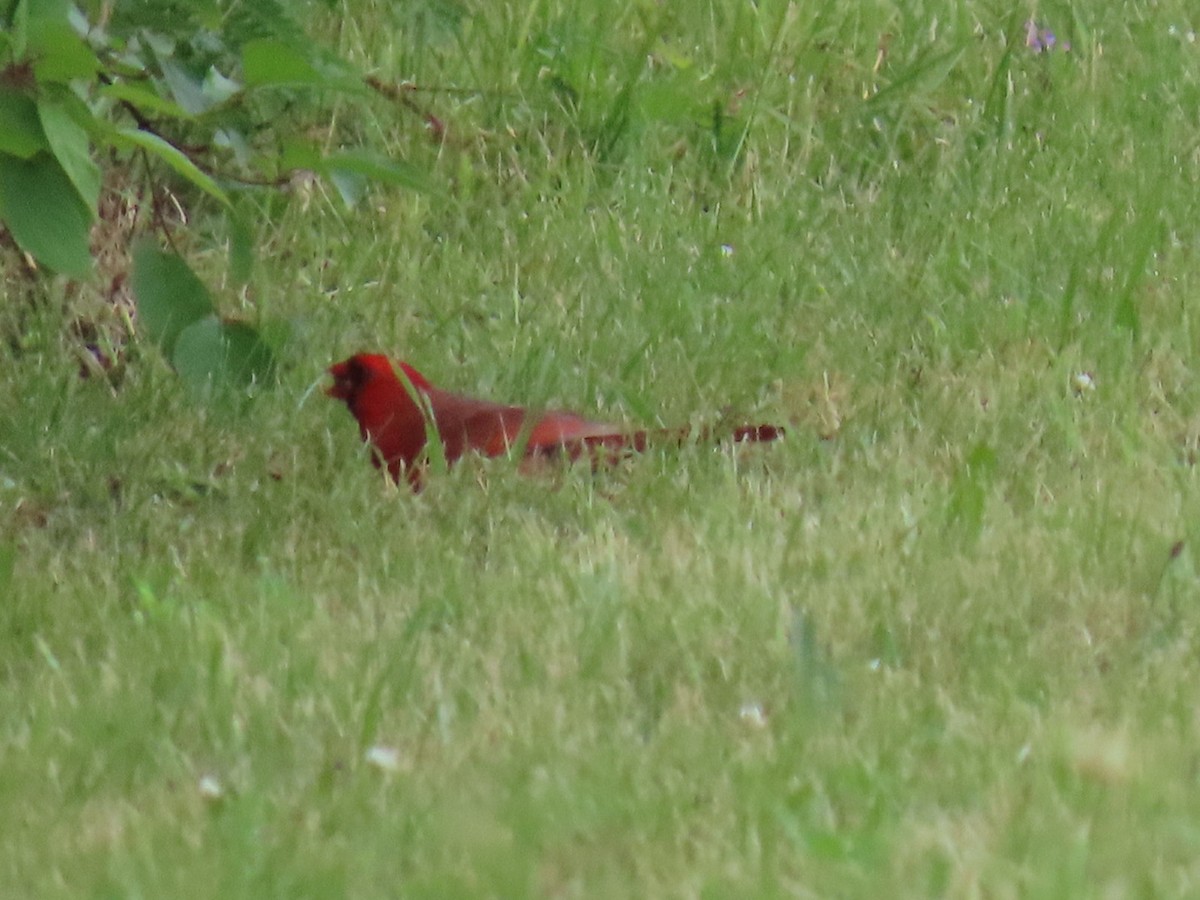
942	641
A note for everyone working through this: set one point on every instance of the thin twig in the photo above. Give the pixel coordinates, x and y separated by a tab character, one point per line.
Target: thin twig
402	94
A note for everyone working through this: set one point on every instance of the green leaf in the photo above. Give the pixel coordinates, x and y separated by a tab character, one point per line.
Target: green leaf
276	333
212	353
232	139
20	131
187	90
173	158
350	185
46	10
72	148
376	168
217	88
271	62
199	354
18	22
144	99
61	54
169	296
249	359
43	211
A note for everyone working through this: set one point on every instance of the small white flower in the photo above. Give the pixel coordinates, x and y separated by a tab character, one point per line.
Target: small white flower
1082	382
210	787
752	714
727	250
386	759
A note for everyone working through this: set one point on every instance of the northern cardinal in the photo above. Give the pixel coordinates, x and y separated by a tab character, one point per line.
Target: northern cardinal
391	420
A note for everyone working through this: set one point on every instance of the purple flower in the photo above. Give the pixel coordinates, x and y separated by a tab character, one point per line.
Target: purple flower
1041	40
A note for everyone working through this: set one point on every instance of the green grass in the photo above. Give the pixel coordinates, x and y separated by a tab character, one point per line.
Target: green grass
940	642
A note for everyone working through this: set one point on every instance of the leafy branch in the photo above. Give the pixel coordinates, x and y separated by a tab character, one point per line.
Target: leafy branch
202	90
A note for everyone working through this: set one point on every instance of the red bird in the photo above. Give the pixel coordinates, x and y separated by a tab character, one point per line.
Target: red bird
396	419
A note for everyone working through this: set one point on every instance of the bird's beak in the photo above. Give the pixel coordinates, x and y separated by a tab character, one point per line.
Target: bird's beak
342	387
